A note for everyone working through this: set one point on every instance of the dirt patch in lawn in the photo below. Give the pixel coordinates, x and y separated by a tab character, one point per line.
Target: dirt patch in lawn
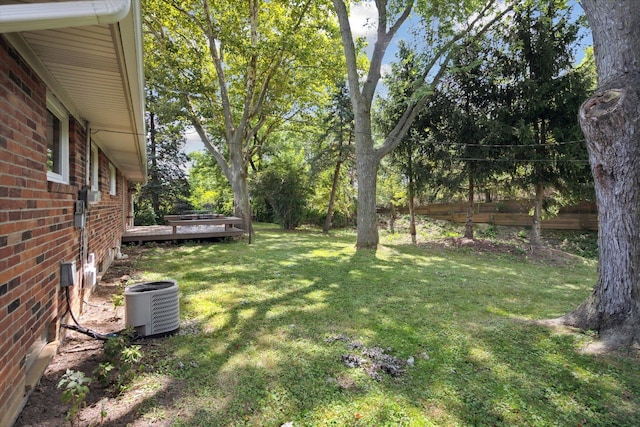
105	405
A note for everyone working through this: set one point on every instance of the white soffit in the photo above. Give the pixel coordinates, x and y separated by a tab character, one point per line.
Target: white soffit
95	70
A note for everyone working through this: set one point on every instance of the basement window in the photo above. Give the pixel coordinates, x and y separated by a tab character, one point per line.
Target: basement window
57	142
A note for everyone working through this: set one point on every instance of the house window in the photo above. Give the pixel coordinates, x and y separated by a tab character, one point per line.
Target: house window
112	179
57	142
94	169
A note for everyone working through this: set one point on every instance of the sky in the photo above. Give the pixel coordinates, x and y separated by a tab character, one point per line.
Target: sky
363	18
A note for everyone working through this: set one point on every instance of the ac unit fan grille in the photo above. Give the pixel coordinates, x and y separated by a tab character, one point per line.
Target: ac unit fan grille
165	309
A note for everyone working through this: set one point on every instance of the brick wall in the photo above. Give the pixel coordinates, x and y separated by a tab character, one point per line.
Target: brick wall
105	220
37	231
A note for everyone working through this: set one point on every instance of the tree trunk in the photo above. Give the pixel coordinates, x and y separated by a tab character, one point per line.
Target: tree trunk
155	181
609	120
536	230
367	170
239	184
332	197
392	220
468	226
412	196
412	211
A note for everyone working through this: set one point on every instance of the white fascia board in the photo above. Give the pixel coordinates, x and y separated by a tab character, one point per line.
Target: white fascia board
130	30
50	15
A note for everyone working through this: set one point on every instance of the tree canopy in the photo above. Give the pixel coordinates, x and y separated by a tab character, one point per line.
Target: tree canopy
241	70
445	25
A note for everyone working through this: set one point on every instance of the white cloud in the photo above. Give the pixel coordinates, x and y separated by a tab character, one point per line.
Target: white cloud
193	141
500	7
385	69
364	19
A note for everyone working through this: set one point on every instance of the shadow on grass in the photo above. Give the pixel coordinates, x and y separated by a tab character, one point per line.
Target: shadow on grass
265	311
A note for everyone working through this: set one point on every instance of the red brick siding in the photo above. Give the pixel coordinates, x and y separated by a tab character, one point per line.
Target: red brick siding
105	219
37	231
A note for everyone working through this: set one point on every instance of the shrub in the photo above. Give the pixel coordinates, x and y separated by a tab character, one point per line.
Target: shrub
285	187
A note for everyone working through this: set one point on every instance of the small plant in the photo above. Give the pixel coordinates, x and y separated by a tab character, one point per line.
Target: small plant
103	373
489	232
118	301
129	358
113	346
103	412
75	385
123	356
522	234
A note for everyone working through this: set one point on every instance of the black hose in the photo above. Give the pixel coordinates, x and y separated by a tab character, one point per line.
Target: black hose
79	328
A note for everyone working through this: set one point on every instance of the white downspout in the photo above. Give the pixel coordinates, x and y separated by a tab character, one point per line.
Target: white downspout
50	15
87	152
84	232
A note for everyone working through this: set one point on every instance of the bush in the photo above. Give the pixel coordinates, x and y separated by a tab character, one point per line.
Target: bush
145	216
285	187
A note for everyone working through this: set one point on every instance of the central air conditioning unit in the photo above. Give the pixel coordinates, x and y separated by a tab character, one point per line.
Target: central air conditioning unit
152	308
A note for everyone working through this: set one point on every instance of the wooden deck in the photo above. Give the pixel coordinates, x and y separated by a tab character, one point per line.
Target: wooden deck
158	233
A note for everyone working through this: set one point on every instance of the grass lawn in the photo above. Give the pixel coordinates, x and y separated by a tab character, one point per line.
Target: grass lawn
265	328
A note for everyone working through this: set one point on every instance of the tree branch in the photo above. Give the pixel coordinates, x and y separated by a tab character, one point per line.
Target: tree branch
210	33
384	37
197	124
406	120
349	50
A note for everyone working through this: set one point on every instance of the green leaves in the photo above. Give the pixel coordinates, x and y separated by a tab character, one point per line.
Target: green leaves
285	187
240	70
75	387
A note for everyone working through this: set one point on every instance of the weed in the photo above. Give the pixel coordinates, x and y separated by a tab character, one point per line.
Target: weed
75	385
129	358
489	232
103	373
122	358
118	301
103	412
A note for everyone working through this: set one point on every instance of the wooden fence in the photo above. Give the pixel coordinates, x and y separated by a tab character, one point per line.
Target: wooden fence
583	216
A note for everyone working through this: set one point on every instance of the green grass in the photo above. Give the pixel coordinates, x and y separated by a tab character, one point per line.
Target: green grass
256	319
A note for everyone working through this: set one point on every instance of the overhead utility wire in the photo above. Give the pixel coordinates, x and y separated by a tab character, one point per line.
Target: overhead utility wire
509	145
521	160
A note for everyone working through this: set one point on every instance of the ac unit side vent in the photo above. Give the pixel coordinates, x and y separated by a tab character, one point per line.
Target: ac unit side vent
166	312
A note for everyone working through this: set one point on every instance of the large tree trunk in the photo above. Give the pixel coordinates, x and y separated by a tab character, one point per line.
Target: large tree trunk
367	157
367	170
239	183
609	120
